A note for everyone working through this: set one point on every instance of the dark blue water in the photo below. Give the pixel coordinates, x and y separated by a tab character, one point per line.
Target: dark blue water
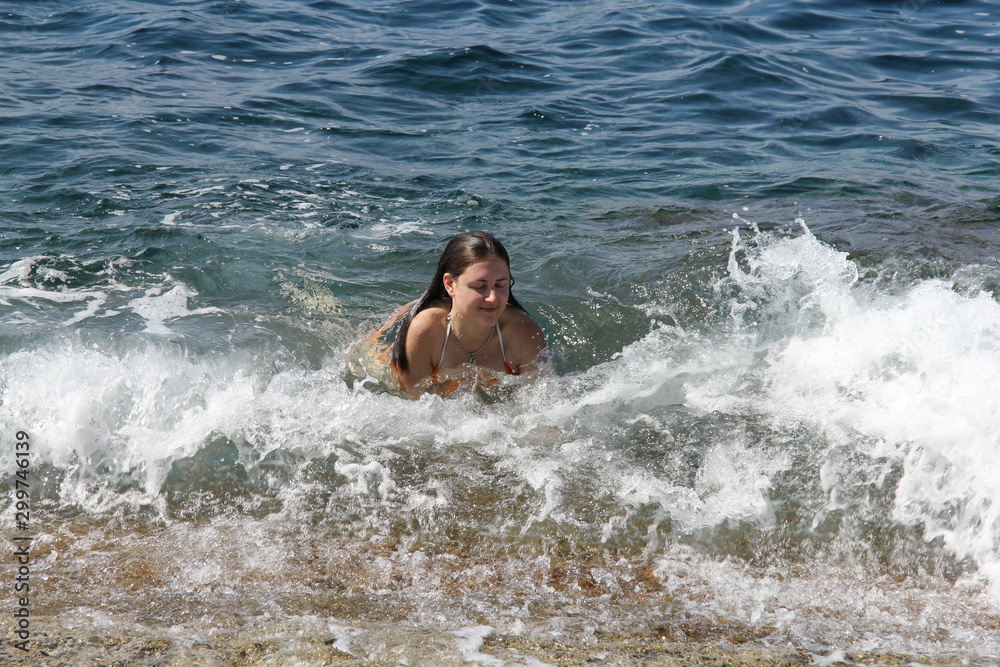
760	236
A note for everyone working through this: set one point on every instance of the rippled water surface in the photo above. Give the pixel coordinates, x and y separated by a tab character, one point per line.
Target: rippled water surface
760	237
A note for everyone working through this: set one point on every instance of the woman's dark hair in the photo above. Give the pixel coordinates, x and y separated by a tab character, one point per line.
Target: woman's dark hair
461	252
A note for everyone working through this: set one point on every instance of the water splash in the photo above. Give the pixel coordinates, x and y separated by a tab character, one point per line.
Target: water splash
822	419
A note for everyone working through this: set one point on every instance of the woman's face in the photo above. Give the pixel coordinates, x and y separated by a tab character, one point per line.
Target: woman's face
479	294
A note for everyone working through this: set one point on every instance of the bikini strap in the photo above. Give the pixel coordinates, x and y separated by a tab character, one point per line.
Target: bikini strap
447	335
503	355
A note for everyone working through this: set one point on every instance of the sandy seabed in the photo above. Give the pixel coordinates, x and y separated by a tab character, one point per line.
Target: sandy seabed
222	594
53	645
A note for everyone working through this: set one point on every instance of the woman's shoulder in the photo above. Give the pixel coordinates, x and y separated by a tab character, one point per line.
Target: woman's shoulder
427	328
432	315
522	334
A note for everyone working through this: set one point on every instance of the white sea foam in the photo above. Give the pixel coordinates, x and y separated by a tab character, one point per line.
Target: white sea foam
7	294
20	270
24	287
386	229
156	307
16	289
470	641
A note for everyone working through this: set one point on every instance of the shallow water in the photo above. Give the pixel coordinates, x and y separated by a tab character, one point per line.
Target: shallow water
760	238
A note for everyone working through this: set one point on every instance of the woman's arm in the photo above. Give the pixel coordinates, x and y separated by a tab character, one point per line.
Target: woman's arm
424	336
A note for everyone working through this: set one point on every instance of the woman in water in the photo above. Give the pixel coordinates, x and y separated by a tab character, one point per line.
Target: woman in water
467	327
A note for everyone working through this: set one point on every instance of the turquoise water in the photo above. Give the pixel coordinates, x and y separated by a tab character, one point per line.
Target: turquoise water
760	237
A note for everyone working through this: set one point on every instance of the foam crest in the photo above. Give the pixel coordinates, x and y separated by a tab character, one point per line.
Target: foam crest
912	376
789	285
906	378
110	419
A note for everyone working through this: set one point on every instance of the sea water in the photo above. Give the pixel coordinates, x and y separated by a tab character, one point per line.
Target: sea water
760	238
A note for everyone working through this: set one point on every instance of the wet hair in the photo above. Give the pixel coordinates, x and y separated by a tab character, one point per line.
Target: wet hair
461	252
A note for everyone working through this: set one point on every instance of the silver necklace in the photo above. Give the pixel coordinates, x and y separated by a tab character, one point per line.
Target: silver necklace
471	355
